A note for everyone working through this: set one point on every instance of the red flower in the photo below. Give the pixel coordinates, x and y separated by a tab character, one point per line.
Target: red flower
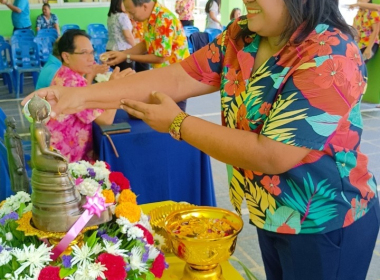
107	166
115	266
324	44
352	53
235	84
251	174
148	236
49	273
331	71
158	266
265	108
242	122
213	53
271	184
358	85
119	179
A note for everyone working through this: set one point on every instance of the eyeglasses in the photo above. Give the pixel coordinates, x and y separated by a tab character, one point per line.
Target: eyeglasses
84	53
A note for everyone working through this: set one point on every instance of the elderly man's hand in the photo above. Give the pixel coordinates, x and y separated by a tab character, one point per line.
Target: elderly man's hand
116	74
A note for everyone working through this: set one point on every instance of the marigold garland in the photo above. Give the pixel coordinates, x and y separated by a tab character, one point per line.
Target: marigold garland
127	196
109	196
128	210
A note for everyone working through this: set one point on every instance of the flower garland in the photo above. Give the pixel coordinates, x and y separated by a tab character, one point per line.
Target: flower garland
123	248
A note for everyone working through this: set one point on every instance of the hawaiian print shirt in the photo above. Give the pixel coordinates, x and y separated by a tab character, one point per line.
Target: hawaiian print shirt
184	9
306	95
164	36
44	23
72	134
363	22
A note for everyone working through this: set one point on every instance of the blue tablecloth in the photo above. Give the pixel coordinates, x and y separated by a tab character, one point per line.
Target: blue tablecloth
158	167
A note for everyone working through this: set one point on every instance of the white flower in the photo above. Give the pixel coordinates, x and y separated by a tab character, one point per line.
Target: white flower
5	257
12	203
135	260
82	255
8	236
103	77
28	208
153	252
96	270
32	257
114	249
159	240
144	221
124	224
88	187
134	232
78	169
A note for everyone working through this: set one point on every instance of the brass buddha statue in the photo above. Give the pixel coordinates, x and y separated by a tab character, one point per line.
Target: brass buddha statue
57	204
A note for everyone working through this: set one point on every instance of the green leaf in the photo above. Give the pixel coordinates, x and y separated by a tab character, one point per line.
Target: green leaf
149	276
324	124
92	239
21	209
246	270
64	272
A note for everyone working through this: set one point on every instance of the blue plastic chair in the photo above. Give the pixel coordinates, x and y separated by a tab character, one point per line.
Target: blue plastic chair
213	33
48	32
23	32
97	30
66	27
26	59
99	45
6	68
45	48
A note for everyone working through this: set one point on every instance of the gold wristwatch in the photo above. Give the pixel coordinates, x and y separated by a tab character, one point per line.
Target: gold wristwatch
175	127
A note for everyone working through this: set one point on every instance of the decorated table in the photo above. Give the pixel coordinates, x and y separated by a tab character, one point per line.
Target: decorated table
176	265
158	167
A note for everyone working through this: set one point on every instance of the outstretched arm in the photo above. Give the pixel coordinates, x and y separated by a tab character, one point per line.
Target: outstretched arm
369	6
11	6
172	80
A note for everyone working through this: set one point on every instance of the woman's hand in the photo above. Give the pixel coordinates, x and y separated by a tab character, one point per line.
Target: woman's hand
159	115
116	74
115	57
367	54
61	99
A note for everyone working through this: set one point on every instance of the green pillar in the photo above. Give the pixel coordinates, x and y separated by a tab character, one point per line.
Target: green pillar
227	6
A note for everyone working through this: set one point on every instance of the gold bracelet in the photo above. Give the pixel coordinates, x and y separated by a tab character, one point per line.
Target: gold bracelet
175	127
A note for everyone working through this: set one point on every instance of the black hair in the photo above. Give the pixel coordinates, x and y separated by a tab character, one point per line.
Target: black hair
232	14
139	3
115	7
209	4
307	14
46	5
66	42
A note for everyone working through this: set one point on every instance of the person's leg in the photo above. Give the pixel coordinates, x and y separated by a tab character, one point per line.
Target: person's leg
269	254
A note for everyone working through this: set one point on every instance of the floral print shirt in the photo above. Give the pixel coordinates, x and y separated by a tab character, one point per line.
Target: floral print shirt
306	95
184	9
363	22
72	134
44	23
164	36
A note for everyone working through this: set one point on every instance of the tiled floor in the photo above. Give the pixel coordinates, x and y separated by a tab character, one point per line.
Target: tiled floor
208	107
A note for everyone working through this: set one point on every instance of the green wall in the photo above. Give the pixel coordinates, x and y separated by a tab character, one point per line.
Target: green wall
81	16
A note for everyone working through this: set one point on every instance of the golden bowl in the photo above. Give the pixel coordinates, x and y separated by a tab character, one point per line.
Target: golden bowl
157	220
203	254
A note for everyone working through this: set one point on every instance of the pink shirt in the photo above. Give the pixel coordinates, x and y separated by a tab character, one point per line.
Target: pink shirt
72	134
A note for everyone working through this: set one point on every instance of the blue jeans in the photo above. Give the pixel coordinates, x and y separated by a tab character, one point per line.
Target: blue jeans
343	254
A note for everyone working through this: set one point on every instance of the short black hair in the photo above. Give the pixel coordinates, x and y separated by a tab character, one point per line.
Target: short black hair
209	4
306	15
46	5
66	42
139	3
115	7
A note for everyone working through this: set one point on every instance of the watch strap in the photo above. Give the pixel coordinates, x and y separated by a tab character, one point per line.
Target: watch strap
175	127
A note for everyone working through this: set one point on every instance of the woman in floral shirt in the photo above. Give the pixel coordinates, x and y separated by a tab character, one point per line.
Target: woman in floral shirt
72	134
367	23
184	9
291	79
